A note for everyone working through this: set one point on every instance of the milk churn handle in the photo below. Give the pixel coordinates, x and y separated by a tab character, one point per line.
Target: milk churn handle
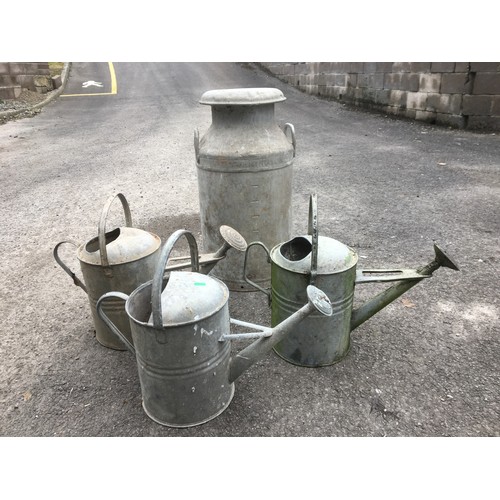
289	126
102	226
76	281
313	231
156	287
197	145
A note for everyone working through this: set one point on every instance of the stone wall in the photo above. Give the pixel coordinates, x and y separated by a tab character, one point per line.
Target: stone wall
457	94
15	76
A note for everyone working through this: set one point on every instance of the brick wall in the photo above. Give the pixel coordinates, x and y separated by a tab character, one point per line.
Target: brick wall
457	94
14	77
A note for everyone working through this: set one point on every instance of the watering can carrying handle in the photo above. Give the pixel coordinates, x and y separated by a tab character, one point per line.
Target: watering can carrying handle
245	277
108	322
313	231
156	287
102	227
76	281
289	126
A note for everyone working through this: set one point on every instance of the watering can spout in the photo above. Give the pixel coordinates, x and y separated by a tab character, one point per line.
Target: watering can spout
317	301
407	279
231	239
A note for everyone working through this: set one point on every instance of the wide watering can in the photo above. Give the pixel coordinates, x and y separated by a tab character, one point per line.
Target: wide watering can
330	265
182	340
123	259
244	165
120	259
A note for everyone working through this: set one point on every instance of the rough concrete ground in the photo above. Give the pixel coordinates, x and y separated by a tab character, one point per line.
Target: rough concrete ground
427	365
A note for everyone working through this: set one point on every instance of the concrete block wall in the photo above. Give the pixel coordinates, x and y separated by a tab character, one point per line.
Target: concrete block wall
15	76
457	94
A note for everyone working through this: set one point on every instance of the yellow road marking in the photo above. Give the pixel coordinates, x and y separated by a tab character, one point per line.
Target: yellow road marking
114	86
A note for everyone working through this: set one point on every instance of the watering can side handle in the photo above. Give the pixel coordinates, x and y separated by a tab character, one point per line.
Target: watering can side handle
156	287
245	277
289	126
102	225
109	323
76	281
197	145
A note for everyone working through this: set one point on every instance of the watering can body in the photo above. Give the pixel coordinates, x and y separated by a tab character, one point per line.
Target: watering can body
120	260
317	341
182	341
183	368
125	277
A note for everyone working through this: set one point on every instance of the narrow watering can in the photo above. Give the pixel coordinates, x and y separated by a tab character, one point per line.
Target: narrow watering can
330	265
120	259
182	340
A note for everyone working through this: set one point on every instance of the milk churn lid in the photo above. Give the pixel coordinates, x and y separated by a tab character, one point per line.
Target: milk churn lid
123	244
242	96
295	255
189	297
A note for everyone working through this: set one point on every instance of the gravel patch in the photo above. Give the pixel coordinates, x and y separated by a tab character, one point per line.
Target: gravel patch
24	103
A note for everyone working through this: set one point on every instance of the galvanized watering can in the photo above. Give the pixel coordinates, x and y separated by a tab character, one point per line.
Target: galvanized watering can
182	340
123	259
120	259
330	265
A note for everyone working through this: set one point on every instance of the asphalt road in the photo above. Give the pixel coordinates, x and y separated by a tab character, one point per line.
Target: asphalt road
427	365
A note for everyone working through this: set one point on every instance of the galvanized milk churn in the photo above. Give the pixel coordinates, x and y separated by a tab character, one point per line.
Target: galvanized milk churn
330	265
120	259
182	340
244	165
